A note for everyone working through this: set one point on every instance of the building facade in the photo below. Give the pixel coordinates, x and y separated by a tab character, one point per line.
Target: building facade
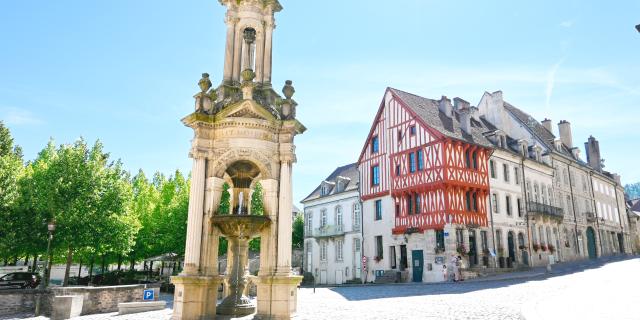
333	225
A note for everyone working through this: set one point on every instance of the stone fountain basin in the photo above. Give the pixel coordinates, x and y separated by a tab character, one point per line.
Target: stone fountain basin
240	225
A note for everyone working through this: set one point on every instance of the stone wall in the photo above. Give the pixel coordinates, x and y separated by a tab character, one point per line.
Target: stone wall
106	299
18	301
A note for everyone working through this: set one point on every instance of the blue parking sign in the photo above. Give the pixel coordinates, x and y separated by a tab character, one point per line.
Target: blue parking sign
147	295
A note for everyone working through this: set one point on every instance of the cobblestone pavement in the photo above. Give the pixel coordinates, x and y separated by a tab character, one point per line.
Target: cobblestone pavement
602	289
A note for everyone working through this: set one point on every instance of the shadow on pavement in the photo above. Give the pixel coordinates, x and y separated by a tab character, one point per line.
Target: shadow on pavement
373	291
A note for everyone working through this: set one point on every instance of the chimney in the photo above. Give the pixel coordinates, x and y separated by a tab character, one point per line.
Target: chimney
459	103
592	148
564	127
465	119
547	124
575	152
445	106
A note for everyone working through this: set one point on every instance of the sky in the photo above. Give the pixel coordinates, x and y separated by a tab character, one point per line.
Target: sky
125	71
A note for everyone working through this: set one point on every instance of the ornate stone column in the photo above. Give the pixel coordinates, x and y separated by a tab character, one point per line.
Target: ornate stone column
268	31
231	22
269	235
195	215
259	68
283	265
237	53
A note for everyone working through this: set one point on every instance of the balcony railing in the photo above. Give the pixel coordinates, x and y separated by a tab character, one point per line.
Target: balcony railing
331	230
545	209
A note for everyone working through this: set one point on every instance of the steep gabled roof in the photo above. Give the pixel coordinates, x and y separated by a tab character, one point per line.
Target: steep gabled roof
427	110
349	172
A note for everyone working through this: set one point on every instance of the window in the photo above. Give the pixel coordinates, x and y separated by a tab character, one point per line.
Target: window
565	178
520	211
492	168
356	215
507	202
339	251
516	175
375	175
378	210
412	130
483	240
474	202
494	202
544	194
379	247
309	223
409	204
534	232
467	158
474	157
392	256
499	239
375	145
440	239
459	237
412	162
417	201
541	232
356	245
399	135
323	218
568	204
339	215
397	170
397	210
505	169
323	251
536	192
468	200
420	156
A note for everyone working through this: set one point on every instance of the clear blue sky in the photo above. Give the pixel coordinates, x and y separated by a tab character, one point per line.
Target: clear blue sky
125	71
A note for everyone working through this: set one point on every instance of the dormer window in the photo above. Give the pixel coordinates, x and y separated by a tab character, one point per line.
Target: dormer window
324	190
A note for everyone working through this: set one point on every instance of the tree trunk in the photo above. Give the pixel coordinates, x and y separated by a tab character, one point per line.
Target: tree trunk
91	269
80	270
15	260
35	263
26	260
104	261
162	269
119	262
133	264
65	283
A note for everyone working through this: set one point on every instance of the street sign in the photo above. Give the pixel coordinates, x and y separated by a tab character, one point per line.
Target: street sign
446	234
364	263
148	295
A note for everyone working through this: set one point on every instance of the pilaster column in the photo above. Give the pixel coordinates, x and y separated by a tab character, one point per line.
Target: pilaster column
229	51
237	54
268	30
194	221
259	68
269	235
284	218
211	234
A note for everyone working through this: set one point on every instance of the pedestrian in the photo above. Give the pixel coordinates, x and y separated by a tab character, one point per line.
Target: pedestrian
444	273
454	267
460	267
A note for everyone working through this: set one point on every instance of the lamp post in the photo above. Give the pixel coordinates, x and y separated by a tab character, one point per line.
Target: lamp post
51	227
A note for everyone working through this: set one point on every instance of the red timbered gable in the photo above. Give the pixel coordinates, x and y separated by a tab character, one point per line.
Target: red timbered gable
434	179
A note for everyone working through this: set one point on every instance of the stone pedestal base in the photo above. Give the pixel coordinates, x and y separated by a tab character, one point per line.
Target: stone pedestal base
277	297
195	297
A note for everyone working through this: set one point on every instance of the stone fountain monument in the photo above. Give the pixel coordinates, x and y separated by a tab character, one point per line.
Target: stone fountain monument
243	134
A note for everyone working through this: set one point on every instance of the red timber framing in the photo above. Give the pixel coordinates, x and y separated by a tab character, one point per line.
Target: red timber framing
448	177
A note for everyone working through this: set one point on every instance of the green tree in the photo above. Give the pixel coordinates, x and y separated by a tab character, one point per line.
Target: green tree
297	234
225	200
257	206
11	171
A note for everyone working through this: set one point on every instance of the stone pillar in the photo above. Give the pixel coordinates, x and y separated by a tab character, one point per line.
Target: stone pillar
259	68
284	219
229	51
269	235
236	54
211	234
194	222
268	30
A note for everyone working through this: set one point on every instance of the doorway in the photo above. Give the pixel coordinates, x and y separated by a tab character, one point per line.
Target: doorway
323	276
591	243
511	246
339	277
403	257
620	243
417	264
473	248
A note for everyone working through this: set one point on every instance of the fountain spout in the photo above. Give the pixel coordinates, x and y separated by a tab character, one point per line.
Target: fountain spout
240	200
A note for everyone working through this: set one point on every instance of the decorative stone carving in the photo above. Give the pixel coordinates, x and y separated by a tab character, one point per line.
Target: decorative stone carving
288	89
204	83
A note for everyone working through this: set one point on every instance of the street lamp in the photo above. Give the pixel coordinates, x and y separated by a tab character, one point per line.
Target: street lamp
51	227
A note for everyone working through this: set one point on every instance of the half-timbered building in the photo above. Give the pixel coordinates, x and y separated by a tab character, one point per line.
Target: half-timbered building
424	185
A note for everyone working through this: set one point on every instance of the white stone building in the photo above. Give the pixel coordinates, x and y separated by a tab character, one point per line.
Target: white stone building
333	224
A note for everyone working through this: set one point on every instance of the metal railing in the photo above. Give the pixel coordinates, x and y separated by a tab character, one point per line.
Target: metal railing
535	207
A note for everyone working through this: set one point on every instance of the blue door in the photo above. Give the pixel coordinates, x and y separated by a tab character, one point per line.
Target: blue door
417	263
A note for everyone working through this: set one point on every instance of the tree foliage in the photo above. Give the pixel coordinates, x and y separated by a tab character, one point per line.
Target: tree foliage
297	236
225	200
257	206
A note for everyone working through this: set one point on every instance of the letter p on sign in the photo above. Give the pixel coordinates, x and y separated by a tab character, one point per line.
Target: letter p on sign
148	295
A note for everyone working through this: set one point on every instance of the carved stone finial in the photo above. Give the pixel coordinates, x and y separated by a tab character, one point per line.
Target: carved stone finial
204	83
288	89
248	75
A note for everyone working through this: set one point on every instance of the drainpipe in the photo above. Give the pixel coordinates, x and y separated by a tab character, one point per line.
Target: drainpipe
615	191
573	207
363	271
526	201
594	211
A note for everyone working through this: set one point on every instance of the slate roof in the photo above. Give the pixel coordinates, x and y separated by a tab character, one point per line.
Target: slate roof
428	111
349	171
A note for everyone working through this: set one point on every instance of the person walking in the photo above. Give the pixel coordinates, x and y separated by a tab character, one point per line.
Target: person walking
454	267
444	273
460	267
